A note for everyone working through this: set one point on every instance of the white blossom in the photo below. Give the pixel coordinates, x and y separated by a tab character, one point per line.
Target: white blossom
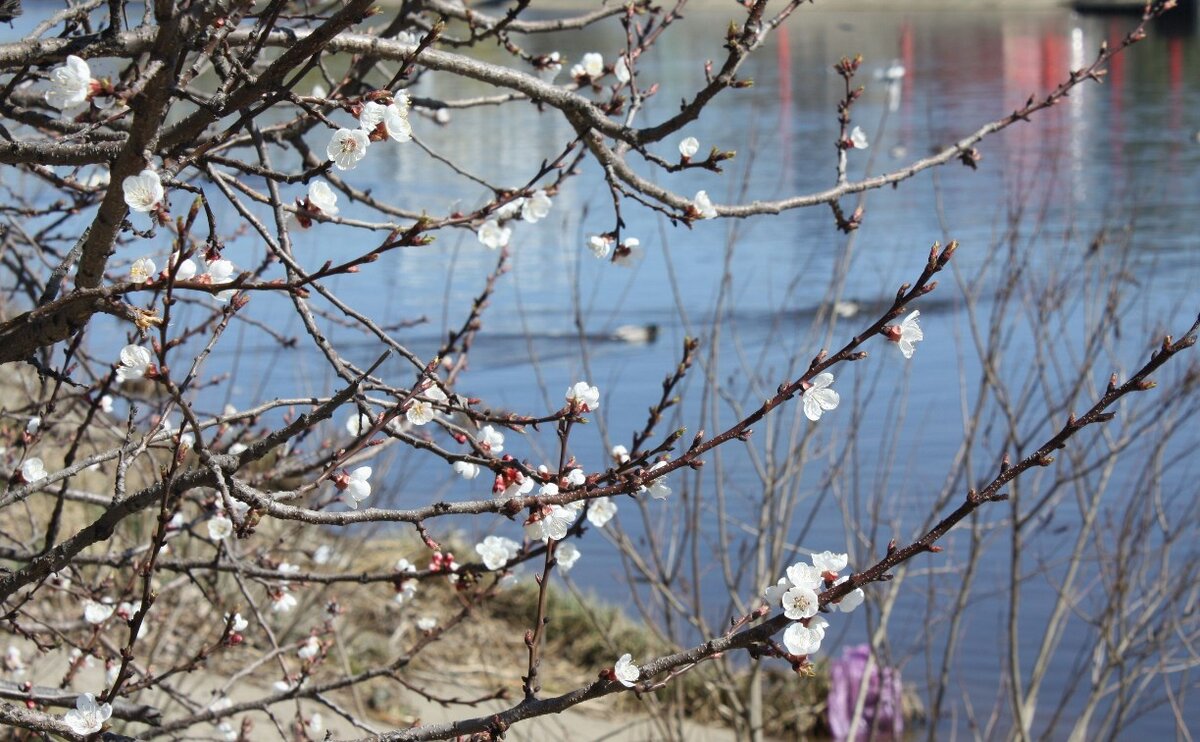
620	454
909	333
371	116
519	487
32	469
510	209
395	119
421	411
583	396
311	648
357	423
625	671
403	565
70	84
97	613
628	253
601	511
186	270
800	602
600	245
804	640
496	551
221	271
466	469
492	235
688	147
591	65
827	561
143	191
283	601
553	67
805	575
536	207
658	489
850	600
553	524
576	477
356	487
406	591
323	555
704	206
819	398
858	139
142	270
220	527
490	440
566	555
316	722
621	69
14	663
87	717
239	623
347	147
774	593
106	403
135	361
427	623
322	198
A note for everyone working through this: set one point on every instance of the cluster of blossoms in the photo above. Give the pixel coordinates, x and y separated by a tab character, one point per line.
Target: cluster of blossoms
624	253
820	398
493	235
217	271
796	593
589	69
376	122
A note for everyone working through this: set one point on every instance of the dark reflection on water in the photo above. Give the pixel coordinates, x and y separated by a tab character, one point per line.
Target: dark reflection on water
1111	155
